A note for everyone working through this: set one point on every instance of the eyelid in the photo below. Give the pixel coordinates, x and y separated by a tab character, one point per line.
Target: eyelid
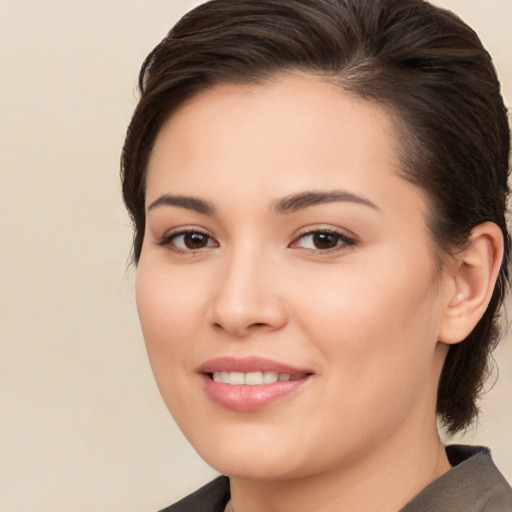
167	238
348	239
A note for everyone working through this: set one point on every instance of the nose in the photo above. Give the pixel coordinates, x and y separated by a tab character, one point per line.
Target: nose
247	298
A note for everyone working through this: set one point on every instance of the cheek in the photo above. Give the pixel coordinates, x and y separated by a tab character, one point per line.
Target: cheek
168	302
168	310
374	319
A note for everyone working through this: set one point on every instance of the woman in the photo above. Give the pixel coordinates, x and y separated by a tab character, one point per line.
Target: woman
318	190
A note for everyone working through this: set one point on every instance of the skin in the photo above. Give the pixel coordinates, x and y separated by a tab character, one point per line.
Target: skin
364	317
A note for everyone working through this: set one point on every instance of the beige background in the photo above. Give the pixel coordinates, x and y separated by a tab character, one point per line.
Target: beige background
82	427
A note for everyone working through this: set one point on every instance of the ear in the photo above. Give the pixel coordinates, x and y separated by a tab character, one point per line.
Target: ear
472	279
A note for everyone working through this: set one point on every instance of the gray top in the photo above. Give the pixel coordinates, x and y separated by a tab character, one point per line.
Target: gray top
474	484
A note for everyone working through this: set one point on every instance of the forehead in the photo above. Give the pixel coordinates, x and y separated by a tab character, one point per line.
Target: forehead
284	124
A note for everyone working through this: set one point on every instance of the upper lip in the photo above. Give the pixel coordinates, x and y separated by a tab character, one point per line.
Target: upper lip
248	364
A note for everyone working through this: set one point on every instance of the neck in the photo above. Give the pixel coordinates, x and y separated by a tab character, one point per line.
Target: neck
384	481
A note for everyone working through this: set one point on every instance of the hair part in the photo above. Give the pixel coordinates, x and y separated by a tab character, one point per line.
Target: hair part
426	66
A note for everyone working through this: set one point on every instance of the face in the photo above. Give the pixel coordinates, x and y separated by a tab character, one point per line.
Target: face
286	288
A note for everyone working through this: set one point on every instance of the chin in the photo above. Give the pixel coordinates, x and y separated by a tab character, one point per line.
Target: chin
253	468
246	452
261	458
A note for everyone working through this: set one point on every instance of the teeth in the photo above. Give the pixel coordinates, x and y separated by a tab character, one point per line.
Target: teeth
236	378
251	378
270	377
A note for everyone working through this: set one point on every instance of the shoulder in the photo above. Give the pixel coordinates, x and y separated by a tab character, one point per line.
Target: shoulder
474	484
212	497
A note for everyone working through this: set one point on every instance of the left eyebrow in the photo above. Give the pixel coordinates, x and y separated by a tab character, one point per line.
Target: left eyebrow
304	200
187	202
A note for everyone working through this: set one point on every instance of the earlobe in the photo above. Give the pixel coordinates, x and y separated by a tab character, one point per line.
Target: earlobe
474	276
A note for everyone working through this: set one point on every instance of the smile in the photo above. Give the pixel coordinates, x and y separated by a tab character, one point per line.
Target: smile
250	384
253	378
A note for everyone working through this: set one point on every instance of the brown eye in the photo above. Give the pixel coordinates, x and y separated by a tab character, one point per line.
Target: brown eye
195	240
189	241
323	241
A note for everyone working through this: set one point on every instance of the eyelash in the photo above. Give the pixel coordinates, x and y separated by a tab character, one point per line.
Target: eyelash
169	240
342	241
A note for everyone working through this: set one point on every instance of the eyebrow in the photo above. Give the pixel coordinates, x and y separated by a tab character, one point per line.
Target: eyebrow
304	200
190	203
288	204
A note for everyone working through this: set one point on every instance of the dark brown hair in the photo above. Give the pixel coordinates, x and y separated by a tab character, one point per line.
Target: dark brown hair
421	62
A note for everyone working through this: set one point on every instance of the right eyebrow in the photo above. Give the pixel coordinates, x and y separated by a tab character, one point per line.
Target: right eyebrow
188	202
307	199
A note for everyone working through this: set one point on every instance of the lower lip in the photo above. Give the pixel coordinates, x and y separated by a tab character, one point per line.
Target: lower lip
249	398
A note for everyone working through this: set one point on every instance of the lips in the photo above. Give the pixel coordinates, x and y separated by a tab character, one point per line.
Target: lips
250	384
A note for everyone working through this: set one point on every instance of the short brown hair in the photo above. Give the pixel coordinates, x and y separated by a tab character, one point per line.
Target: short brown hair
422	62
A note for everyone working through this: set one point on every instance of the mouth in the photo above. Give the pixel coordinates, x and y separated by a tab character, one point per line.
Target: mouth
254	378
250	384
